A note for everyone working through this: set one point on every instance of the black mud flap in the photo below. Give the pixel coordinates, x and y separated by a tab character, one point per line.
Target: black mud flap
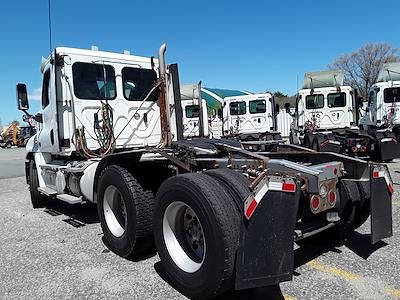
381	206
265	255
387	151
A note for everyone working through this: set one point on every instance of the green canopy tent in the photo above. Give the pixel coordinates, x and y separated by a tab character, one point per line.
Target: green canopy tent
215	97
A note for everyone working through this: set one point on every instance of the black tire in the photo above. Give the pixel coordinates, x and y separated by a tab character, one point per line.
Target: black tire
8	145
219	220
38	200
135	220
236	184
316	144
308	140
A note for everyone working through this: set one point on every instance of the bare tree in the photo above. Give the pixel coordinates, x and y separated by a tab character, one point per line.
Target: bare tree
361	67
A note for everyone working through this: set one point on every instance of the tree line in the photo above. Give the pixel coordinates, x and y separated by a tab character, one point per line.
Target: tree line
361	67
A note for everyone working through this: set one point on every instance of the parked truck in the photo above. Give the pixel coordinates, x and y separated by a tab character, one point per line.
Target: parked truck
251	119
327	117
221	217
383	109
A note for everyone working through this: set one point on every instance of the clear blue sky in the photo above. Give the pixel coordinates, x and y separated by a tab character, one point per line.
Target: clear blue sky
250	45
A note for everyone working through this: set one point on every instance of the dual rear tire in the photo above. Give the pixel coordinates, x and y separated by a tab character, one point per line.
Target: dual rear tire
196	225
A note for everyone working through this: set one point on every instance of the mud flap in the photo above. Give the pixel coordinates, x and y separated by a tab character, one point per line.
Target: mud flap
381	204
265	254
387	151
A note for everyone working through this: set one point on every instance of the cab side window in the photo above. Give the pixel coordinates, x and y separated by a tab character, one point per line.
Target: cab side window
371	98
46	89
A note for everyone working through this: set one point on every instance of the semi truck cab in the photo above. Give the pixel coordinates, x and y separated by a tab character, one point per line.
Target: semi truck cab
383	110
249	114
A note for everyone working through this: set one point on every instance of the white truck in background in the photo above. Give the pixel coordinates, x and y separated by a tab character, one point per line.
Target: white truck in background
383	109
327	117
111	133
252	120
195	115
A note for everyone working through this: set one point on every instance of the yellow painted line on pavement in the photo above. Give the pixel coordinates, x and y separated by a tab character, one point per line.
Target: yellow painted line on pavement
335	271
347	275
393	292
287	297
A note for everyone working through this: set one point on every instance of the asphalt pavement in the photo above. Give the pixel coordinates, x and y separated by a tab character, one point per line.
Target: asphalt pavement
58	253
12	162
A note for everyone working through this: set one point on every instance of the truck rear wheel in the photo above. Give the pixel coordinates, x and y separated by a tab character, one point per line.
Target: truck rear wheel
196	230
125	212
308	140
236	184
316	143
38	200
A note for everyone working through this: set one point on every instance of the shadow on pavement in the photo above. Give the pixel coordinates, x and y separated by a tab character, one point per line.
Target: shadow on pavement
360	244
270	292
356	242
78	215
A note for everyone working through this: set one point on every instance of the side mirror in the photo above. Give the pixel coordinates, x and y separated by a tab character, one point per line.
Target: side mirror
22	97
287	107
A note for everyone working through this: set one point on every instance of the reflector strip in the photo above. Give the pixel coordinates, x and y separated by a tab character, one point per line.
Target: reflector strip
384	174
289	187
252	207
257	198
391	188
282	186
261	193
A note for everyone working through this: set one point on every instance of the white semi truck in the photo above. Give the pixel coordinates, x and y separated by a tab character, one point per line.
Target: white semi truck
221	217
383	110
252	120
327	117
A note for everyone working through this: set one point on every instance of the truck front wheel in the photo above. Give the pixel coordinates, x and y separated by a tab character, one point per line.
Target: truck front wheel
196	230
38	200
125	212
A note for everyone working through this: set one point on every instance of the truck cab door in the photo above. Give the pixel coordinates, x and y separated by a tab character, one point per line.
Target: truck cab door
190	118
48	133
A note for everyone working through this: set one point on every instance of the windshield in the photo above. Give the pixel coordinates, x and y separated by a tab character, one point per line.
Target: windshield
257	106
315	101
137	83
192	111
392	95
337	100
237	108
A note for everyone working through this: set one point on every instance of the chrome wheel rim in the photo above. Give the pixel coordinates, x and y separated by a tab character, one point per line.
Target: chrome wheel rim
184	237
114	211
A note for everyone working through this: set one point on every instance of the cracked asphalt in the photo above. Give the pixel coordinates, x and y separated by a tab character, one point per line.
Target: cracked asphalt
58	253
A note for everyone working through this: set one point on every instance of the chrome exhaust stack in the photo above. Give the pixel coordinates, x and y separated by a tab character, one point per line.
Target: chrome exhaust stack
163	100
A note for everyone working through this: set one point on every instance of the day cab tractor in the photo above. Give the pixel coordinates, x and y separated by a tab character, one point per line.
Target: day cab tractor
383	110
221	217
327	116
252	120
